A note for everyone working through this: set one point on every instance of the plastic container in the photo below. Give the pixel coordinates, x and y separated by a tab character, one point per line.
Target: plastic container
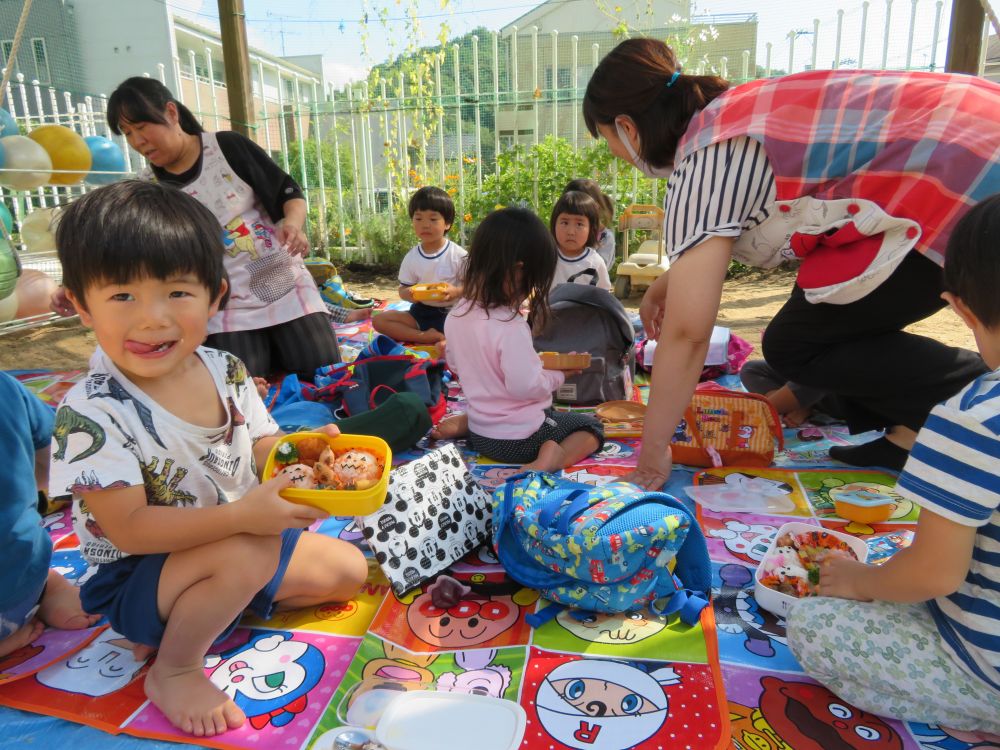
863	506
339	502
778	603
429	292
559	361
725	497
431	720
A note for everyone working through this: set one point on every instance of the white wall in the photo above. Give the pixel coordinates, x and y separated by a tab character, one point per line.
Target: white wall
121	39
585	16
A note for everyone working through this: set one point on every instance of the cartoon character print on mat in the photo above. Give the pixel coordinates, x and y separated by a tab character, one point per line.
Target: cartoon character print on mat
796	715
17	657
603	704
832	489
596	474
615	451
103	385
269	677
492	477
749	484
737	613
476	618
480	675
934	737
104	667
69	422
745	541
69	563
619	628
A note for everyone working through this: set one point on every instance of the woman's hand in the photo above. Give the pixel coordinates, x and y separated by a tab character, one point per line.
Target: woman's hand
840	576
292	239
59	303
654	302
652	472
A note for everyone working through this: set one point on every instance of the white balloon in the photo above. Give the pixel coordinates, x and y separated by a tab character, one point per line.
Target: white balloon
8	307
21	152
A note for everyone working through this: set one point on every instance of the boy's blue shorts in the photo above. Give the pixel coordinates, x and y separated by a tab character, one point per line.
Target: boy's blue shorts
17	615
428	316
125	592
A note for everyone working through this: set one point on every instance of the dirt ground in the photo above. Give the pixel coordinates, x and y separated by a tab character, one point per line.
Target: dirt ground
747	305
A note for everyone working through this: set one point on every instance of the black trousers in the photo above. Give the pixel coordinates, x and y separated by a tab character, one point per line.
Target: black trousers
298	346
880	375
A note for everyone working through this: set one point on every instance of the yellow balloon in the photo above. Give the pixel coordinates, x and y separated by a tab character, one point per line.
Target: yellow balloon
8	307
68	151
24	154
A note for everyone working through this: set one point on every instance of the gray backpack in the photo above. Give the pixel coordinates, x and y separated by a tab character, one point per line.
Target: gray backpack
587	319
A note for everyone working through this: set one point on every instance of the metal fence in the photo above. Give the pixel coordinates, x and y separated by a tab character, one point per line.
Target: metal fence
360	150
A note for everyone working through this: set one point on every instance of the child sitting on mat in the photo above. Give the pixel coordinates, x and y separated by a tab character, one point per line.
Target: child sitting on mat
574	223
922	640
160	446
510	416
604	244
434	259
28	587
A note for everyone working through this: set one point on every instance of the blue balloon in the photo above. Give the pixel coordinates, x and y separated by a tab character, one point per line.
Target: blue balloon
8	125
106	156
3	156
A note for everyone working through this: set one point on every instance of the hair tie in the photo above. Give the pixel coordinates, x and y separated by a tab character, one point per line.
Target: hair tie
674	77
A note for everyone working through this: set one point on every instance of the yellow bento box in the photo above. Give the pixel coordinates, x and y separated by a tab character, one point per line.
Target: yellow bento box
358	502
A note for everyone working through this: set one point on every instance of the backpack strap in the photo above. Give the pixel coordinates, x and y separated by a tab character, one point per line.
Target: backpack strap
591	272
575	502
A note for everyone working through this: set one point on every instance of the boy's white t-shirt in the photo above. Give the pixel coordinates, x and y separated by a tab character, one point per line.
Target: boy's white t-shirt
567	267
446	265
110	435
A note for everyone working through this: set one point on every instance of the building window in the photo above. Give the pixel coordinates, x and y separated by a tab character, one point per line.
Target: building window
8	45
41	57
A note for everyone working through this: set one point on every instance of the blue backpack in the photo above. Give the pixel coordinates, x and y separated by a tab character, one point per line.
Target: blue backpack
611	548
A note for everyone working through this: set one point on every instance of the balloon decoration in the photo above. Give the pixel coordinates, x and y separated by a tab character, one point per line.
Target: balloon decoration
24	154
10	269
106	156
33	291
67	150
8	307
6	218
38	231
8	125
2	158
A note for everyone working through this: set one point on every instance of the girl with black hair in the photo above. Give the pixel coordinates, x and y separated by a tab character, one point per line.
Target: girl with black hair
275	319
510	417
847	173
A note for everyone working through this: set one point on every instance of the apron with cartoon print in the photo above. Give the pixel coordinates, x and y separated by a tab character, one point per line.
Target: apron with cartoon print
267	285
867	167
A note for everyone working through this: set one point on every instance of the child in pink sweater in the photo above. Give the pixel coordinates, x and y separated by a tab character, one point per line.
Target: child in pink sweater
510	415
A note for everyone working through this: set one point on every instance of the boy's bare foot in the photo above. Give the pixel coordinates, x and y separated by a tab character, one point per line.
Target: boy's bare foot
452	428
356	316
551	457
190	701
60	606
21	638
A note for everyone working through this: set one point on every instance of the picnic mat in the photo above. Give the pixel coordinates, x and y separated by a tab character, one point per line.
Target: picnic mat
729	681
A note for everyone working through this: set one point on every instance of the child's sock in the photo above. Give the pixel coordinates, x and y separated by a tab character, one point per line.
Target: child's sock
876	453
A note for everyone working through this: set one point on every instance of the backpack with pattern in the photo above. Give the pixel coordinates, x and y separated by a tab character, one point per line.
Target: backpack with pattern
611	548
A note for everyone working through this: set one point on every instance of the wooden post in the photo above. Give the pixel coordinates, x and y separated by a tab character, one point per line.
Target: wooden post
965	37
232	22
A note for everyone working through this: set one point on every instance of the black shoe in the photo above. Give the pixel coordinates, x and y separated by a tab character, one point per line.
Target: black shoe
879	453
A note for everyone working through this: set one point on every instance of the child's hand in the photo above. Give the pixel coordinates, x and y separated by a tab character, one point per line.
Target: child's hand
329	429
839	576
452	293
59	303
265	513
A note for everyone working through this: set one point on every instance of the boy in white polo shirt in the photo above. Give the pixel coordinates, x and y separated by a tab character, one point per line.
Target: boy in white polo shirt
434	259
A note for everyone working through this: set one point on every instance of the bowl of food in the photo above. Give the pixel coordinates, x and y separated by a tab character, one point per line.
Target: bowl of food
347	475
790	568
560	361
429	292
